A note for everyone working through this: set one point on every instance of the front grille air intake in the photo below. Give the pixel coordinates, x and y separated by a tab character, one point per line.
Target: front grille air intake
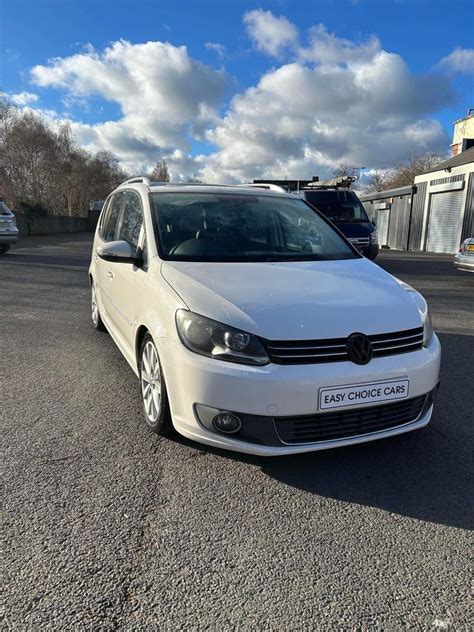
359	242
344	424
335	349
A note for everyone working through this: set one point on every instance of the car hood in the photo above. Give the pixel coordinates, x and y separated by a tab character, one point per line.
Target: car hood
296	300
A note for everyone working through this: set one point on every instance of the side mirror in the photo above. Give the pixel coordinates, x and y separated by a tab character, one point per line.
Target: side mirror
118	252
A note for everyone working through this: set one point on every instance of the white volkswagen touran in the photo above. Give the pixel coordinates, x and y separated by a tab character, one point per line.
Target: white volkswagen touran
254	325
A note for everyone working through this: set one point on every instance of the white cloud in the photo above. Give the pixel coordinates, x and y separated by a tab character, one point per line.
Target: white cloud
165	96
303	120
270	34
460	60
325	48
334	101
22	98
216	47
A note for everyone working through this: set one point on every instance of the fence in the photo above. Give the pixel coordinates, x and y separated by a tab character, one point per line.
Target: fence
33	224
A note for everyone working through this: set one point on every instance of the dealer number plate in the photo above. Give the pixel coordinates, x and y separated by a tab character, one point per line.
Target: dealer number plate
342	396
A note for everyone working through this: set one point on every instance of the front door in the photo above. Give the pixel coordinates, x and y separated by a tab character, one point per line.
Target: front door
128	279
108	230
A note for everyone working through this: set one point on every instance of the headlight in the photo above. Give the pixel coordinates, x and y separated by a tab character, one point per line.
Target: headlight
374	237
422	306
427	328
215	340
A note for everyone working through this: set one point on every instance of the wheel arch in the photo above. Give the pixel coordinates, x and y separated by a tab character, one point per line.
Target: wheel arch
141	333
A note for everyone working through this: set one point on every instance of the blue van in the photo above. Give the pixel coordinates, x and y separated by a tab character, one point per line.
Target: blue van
345	210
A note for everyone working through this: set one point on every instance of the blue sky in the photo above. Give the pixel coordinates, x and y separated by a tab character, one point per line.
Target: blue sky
239	57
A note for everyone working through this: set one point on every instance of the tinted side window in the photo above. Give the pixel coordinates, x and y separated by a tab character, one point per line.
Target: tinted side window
113	215
132	220
103	215
338	206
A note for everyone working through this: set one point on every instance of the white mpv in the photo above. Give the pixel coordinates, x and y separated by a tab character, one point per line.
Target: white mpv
254	325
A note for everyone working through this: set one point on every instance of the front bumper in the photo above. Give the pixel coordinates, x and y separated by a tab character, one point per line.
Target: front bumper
275	391
8	237
464	262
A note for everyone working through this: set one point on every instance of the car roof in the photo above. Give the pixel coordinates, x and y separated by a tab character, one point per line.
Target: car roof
213	188
143	184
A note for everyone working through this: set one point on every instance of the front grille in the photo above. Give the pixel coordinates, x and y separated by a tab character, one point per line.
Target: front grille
359	242
344	424
335	349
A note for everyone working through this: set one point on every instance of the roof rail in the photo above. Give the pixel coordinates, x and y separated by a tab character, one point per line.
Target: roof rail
136	180
264	185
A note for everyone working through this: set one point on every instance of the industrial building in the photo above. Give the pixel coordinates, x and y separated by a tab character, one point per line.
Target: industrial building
436	213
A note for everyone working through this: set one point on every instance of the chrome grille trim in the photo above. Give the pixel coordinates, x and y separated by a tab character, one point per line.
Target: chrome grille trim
335	349
359	241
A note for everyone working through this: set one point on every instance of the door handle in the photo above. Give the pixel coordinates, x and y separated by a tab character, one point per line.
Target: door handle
110	274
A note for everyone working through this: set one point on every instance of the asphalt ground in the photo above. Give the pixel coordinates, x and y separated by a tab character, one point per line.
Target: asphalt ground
107	526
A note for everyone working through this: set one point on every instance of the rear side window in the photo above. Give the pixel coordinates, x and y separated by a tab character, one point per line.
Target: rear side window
109	229
103	215
132	220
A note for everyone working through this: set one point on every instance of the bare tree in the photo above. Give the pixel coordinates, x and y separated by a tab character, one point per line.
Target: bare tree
404	172
344	169
44	171
160	173
376	181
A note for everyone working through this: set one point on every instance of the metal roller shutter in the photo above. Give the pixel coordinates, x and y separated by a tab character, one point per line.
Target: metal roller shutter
444	222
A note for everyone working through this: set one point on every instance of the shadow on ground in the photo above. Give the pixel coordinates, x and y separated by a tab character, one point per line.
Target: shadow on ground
427	266
39	259
425	474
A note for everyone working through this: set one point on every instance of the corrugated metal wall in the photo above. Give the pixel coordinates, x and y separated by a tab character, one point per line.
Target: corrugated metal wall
468	223
398	204
401	232
418	206
399	222
369	209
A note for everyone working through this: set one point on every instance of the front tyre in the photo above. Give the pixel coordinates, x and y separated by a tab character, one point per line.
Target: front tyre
154	395
95	314
4	248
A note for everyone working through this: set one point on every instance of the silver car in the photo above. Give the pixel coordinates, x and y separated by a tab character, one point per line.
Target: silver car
464	260
8	228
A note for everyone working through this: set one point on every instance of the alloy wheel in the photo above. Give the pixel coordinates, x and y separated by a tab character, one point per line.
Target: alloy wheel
151	382
94	306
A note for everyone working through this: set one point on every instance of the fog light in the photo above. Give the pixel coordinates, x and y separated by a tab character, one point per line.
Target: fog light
227	423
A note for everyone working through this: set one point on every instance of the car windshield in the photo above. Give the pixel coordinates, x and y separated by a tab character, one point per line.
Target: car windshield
243	227
338	206
4	210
